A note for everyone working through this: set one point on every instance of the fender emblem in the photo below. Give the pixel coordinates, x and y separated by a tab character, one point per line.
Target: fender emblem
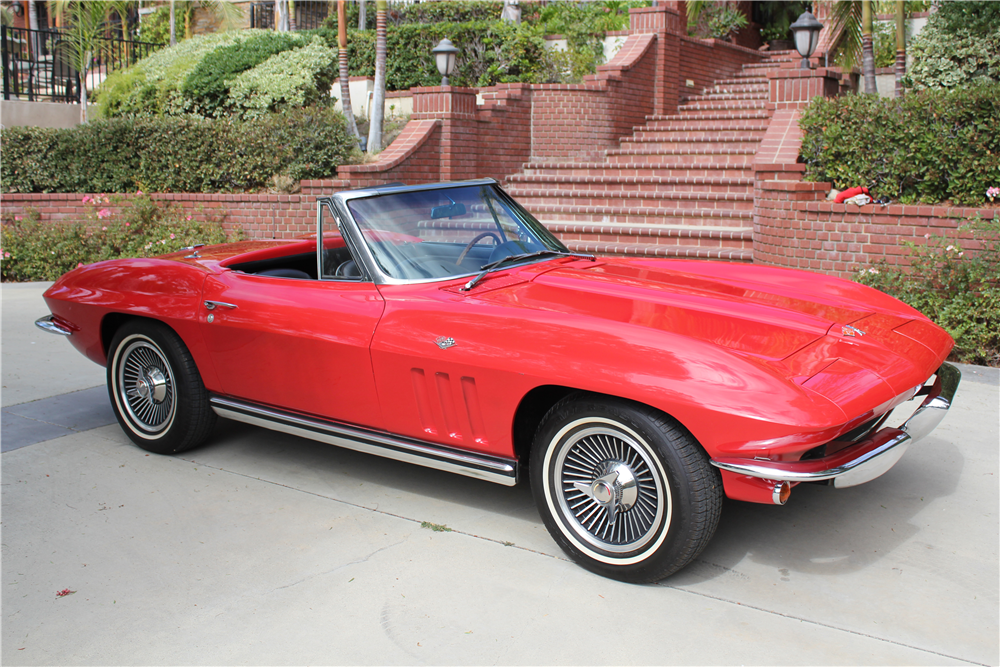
445	342
848	330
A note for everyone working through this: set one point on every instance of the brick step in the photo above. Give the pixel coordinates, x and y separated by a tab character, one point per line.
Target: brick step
701	125
743	80
642	215
652	199
737	89
753	114
716	96
691	145
664	251
641	134
631	183
680	160
694	108
634	166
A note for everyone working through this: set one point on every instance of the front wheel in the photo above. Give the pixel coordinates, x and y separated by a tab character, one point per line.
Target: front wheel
625	490
156	391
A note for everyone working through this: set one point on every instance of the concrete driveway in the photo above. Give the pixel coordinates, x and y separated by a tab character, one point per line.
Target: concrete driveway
261	548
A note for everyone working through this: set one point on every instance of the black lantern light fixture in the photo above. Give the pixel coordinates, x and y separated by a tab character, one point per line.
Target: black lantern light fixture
444	55
806	32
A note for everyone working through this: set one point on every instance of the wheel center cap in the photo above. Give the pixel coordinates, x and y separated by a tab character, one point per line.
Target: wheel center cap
152	385
603	492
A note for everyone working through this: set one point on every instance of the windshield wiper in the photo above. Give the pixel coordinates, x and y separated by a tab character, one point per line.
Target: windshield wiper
493	266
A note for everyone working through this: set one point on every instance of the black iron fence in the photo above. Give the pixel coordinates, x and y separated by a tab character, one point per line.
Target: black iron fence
36	64
308	14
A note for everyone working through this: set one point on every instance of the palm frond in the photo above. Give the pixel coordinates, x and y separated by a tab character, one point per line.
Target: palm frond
846	19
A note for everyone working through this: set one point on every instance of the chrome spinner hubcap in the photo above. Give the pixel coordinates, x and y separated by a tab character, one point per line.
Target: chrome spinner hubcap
146	387
609	496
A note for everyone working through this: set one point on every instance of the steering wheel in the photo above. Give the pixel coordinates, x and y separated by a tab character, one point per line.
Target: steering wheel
476	240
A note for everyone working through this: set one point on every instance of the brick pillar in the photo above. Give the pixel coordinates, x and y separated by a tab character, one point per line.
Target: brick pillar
668	24
794	88
456	109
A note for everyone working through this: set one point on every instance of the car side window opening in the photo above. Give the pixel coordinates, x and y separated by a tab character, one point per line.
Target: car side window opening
335	259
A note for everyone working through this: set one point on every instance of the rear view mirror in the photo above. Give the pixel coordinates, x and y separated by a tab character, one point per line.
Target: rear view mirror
447	211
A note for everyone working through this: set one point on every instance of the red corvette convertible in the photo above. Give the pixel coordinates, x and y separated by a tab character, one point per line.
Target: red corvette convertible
443	325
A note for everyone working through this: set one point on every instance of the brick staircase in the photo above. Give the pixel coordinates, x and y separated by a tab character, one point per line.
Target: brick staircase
680	186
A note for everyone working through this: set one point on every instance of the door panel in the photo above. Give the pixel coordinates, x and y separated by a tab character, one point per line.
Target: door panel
296	344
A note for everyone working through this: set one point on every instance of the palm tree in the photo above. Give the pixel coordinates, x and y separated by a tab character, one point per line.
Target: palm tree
345	76
83	38
378	96
854	20
900	46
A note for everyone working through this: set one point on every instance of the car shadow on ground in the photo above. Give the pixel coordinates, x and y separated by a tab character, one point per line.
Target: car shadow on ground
828	531
821	530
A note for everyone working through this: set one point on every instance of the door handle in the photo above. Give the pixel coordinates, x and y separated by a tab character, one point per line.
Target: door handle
212	305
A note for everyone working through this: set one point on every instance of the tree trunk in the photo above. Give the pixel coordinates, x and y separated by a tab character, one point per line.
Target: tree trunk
377	113
84	71
35	42
345	75
173	25
291	16
362	16
867	51
281	15
900	47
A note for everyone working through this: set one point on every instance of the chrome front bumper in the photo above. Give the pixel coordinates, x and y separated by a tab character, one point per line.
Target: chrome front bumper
865	460
48	323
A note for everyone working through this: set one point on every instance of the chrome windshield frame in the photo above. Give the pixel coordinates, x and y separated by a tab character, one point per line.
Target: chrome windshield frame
338	204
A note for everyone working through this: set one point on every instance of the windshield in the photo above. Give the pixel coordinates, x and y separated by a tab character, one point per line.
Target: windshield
447	232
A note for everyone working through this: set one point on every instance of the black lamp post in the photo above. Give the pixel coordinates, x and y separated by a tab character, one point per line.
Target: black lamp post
444	56
806	32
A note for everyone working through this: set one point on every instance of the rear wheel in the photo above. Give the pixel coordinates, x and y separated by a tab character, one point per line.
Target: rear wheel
625	490
156	390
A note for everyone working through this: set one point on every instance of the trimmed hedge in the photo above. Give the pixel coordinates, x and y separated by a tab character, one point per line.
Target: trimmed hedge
929	146
197	76
176	154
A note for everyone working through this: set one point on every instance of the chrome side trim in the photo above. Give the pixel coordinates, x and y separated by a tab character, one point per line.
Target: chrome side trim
481	466
867	459
49	324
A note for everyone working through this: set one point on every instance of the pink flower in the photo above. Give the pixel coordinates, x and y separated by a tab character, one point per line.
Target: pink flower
6	255
17	217
127	224
189	217
104	213
171	236
104	229
86	199
79	265
139	192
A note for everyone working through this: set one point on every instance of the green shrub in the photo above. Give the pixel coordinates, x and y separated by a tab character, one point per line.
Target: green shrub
152	85
959	290
297	78
32	250
193	77
442	11
930	146
207	86
960	43
155	27
169	154
491	52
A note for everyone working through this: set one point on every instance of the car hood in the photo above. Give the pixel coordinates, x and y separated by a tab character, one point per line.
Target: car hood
796	323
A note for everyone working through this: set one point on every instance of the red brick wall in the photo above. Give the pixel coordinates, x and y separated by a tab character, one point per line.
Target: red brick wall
259	215
794	226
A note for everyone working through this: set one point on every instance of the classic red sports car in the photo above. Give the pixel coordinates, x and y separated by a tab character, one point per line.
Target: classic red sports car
443	325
